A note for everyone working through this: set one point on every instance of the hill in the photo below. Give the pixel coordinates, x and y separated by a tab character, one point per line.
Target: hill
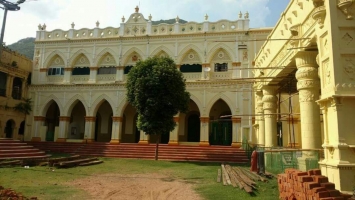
24	46
168	21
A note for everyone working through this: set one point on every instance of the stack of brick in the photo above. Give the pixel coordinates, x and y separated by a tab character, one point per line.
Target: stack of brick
311	185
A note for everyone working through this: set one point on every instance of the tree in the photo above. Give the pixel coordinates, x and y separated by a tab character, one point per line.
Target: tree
157	90
24	107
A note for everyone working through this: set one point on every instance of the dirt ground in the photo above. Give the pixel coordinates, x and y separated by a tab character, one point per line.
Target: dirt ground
139	186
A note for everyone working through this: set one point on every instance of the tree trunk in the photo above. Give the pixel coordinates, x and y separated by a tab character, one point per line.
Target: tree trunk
157	147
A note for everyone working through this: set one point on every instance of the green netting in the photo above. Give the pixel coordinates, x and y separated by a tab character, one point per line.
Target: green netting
277	161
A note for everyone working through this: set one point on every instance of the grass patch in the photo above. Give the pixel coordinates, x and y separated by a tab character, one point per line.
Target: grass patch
44	183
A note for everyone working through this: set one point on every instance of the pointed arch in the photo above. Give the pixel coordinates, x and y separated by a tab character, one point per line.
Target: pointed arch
105	51
97	103
121	107
183	53
52	55
76	55
217	48
161	48
48	102
128	53
72	102
223	97
197	102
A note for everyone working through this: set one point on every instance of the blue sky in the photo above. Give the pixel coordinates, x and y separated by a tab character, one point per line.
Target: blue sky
59	14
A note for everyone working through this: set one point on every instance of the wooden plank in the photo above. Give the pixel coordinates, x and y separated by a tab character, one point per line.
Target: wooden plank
219	176
231	175
223	175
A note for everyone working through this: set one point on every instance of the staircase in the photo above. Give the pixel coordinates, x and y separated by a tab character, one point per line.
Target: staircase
166	152
15	149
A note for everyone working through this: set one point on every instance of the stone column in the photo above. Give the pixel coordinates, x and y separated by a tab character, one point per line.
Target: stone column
9	82
38	122
269	106
89	135
116	130
260	119
64	122
119	73
143	138
23	88
93	74
236	136
308	86
174	135
204	133
67	74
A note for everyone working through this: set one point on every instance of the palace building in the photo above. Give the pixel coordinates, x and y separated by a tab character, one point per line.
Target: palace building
79	76
15	72
310	58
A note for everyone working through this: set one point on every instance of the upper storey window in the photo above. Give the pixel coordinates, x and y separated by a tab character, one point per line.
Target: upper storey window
221	67
191	68
55	71
107	64
81	66
107	70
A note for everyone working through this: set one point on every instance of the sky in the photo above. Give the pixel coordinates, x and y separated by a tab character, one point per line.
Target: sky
59	14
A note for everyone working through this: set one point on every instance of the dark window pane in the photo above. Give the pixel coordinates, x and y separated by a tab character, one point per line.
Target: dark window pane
191	68
81	71
221	67
127	69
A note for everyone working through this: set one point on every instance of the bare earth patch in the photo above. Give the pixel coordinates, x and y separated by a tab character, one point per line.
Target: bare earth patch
138	186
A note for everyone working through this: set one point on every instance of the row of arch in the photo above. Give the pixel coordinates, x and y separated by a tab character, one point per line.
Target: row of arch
189	123
67	108
10	128
199	56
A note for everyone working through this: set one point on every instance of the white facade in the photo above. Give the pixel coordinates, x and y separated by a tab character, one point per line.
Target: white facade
79	79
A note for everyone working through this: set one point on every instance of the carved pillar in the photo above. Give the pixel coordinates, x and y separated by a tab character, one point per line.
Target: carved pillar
116	130
204	133
269	105
93	74
308	87
64	122
9	82
236	136
89	129
260	118
67	74
174	135
38	123
119	73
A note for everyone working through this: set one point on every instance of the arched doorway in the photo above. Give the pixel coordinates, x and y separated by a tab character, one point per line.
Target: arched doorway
9	128
130	132
21	130
103	126
77	121
52	120
221	126
193	128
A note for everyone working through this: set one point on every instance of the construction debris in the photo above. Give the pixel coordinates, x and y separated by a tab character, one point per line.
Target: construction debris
73	161
239	178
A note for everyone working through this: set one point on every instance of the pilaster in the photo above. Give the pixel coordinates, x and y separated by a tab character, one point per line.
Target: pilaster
143	138
116	130
174	135
260	118
204	134
38	122
67	74
64	122
89	129
236	136
93	74
119	73
269	106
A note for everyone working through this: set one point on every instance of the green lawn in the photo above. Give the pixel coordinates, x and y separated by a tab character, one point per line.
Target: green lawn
44	183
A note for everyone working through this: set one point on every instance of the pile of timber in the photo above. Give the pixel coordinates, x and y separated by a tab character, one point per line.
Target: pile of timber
73	161
7	163
239	178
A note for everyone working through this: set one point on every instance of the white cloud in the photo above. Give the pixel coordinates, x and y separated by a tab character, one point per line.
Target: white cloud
59	14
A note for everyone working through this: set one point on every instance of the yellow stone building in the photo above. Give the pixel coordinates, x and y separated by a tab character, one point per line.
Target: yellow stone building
311	55
79	78
14	73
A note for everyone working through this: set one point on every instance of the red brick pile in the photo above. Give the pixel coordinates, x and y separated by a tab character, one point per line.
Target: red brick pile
311	185
9	194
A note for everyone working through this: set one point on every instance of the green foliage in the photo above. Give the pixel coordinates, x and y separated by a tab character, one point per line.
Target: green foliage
24	46
24	107
157	90
168	21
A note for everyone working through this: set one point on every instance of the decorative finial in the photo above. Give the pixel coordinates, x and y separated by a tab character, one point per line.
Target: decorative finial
44	27
123	19
97	24
150	17
246	16
177	19
39	27
137	9
240	14
206	17
72	25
